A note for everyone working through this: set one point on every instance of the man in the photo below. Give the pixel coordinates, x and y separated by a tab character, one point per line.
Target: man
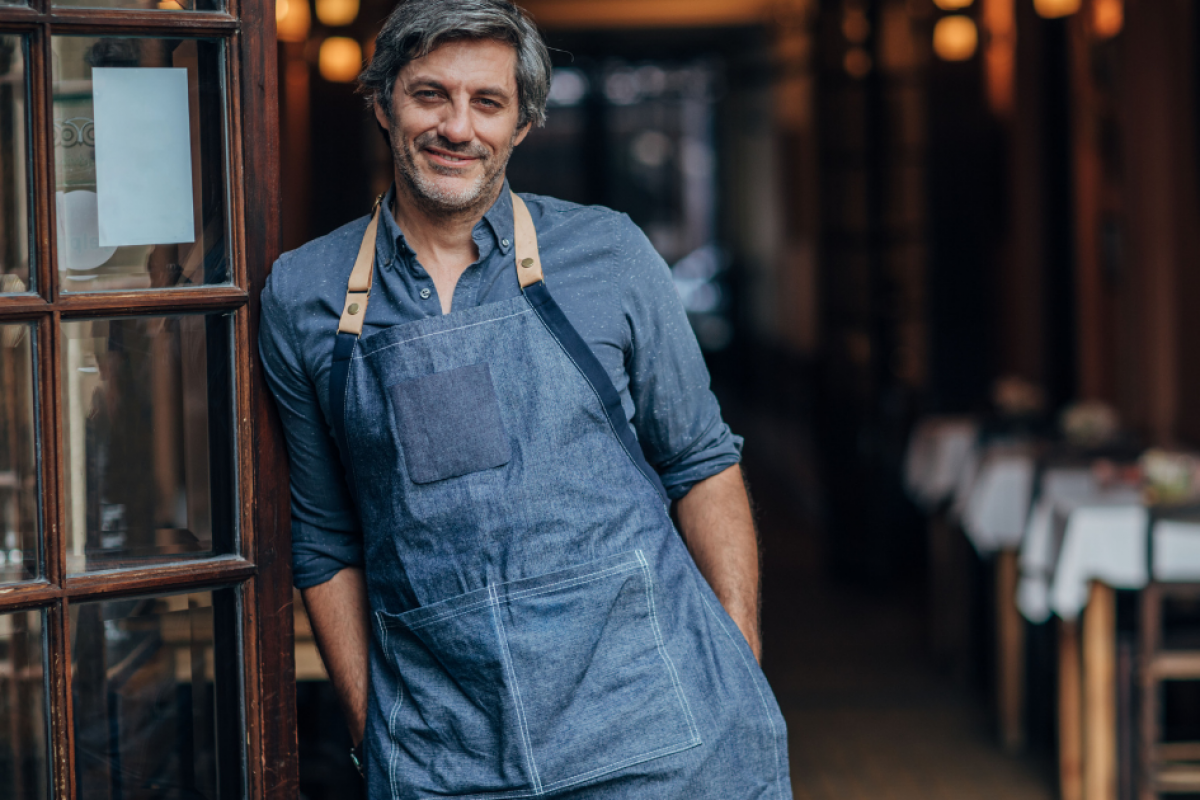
480	474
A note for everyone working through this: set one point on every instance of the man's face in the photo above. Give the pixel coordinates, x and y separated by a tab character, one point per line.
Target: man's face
454	123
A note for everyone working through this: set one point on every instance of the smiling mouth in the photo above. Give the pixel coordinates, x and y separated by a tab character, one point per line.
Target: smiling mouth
445	159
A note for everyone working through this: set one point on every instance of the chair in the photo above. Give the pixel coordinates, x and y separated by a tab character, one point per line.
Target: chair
1165	768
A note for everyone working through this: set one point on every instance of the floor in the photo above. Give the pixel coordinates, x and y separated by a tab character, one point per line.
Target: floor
868	717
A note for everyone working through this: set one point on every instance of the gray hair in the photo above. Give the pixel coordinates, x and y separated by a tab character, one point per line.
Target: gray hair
417	27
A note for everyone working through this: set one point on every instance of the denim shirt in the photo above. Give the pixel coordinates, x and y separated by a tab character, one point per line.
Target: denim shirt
611	284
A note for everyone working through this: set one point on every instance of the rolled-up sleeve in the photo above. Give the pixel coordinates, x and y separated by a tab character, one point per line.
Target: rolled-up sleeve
325	533
677	417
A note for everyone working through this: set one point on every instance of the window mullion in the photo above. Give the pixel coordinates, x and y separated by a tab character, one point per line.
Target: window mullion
62	727
42	172
53	547
49	448
40	6
49	409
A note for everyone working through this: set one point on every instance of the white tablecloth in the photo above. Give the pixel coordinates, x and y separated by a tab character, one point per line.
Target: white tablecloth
934	460
1177	551
997	503
1079	533
1061	492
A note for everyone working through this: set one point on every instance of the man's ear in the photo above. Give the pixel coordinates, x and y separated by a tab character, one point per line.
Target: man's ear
522	133
382	117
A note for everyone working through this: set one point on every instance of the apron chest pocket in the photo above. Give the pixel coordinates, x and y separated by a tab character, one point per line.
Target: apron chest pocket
449	424
535	685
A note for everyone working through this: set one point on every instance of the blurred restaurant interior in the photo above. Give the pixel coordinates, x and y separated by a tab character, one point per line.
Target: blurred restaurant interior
941	256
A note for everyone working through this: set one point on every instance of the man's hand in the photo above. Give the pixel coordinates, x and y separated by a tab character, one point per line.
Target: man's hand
717	525
337	610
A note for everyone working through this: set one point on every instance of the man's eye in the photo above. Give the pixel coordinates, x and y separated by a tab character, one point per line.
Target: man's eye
427	94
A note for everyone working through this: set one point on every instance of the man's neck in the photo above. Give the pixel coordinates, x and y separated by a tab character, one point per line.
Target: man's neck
426	228
442	241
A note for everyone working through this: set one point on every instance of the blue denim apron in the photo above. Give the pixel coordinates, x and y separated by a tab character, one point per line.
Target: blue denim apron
540	629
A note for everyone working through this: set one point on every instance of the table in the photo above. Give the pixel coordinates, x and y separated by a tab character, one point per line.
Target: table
1084	542
937	451
994	500
1056	560
997	503
941	451
990	488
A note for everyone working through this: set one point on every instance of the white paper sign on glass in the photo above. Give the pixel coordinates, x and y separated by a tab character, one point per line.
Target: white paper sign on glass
143	156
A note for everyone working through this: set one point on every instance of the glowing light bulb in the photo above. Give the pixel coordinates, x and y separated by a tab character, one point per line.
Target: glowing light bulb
292	20
335	13
953	5
857	63
1108	18
1053	9
955	38
339	59
855	26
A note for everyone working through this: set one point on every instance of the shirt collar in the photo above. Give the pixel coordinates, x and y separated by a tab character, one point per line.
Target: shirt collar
497	224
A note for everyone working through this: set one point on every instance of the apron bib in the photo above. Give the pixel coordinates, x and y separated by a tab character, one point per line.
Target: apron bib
539	629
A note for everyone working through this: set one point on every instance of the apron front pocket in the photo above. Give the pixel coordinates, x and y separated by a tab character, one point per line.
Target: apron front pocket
454	731
449	424
596	688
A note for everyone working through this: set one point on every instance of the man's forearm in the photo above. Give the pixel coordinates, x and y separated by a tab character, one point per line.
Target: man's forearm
717	525
338	612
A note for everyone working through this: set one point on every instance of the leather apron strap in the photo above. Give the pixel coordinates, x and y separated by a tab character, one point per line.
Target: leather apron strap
529	263
529	275
358	291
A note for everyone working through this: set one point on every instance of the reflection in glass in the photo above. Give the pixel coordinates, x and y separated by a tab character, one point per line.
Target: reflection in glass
24	773
94	255
148	439
155	689
145	5
18	456
14	167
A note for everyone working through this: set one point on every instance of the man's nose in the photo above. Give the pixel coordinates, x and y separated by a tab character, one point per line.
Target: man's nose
456	124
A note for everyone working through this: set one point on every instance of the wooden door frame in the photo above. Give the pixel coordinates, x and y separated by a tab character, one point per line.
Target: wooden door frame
274	771
262	565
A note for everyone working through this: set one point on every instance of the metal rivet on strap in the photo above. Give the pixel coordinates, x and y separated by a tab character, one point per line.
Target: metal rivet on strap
527	262
353	309
504	242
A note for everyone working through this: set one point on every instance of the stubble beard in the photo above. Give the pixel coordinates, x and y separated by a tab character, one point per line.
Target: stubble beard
439	200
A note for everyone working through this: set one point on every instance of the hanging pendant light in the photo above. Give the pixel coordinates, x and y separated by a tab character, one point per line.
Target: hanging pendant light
955	38
340	59
1108	18
292	20
1053	9
335	13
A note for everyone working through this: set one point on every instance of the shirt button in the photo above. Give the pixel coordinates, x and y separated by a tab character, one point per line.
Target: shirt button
504	243
425	294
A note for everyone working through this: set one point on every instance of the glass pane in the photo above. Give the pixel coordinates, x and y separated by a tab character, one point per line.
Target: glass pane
24	772
156	692
140	197
18	455
15	274
148	440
